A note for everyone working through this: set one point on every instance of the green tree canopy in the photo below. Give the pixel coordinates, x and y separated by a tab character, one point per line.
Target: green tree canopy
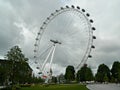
85	74
103	73
70	73
18	65
15	54
116	71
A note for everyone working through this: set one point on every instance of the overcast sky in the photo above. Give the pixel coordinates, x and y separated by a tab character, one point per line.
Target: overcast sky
20	21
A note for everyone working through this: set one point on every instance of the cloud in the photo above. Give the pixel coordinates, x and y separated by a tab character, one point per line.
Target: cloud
20	21
8	32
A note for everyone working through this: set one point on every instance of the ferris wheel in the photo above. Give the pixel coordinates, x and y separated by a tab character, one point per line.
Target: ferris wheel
65	38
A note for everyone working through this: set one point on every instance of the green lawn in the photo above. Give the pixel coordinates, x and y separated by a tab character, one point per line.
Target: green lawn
56	87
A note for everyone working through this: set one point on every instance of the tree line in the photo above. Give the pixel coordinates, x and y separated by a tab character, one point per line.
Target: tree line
17	71
104	73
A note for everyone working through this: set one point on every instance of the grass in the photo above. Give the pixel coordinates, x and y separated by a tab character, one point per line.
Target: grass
56	87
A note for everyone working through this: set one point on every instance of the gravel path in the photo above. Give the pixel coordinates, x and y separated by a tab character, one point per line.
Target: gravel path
104	86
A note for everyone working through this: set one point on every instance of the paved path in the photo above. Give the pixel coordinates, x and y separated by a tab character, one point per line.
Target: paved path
104	86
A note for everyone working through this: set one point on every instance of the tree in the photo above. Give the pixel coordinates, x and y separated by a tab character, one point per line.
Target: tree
36	80
99	77
119	75
89	75
116	71
18	65
2	75
54	79
85	74
15	54
106	78
103	73
70	73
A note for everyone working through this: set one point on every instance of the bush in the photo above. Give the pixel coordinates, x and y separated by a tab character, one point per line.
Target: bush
25	85
16	87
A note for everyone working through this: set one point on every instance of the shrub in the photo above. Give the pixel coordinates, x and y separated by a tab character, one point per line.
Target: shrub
25	85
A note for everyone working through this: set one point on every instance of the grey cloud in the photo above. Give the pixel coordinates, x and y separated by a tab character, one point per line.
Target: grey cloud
30	12
8	32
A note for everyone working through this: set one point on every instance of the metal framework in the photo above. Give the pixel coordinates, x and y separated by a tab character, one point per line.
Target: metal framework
52	16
